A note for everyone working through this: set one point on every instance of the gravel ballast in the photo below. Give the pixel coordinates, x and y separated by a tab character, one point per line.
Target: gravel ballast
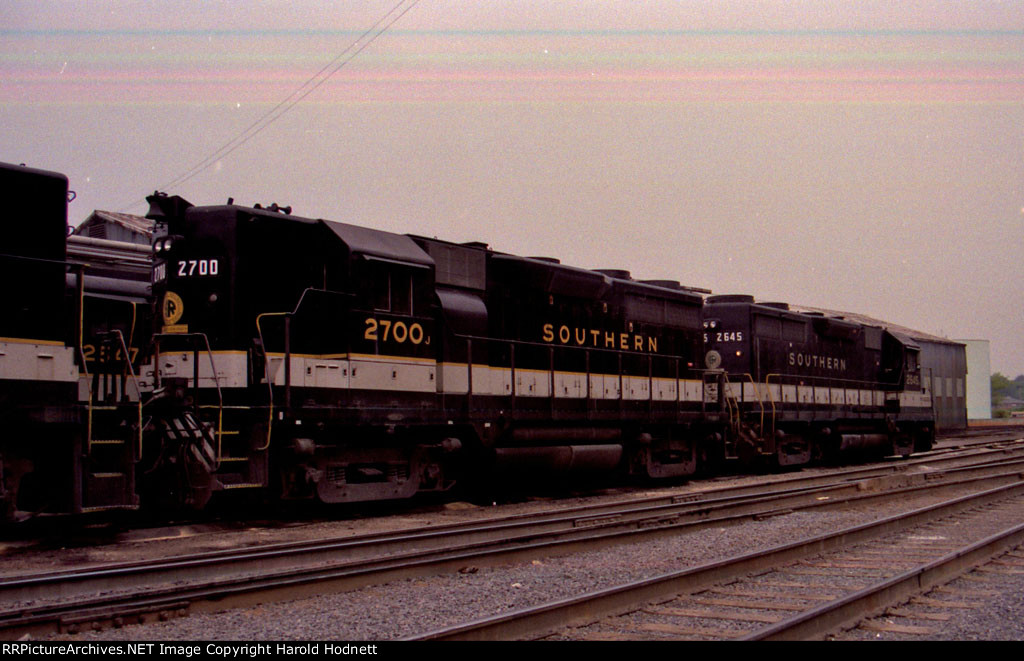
416	606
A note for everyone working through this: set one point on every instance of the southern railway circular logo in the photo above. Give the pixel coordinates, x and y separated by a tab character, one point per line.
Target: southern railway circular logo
173	308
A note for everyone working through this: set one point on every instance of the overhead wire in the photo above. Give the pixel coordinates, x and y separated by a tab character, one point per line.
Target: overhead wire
308	87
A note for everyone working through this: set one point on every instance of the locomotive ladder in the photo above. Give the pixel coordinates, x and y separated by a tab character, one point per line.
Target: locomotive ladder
219	406
206	442
735	410
113	434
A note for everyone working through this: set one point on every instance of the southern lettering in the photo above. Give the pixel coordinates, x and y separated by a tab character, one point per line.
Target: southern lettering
818	362
599	339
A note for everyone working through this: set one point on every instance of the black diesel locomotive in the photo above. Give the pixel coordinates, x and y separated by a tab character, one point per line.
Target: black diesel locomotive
358	364
70	412
343	363
801	385
308	359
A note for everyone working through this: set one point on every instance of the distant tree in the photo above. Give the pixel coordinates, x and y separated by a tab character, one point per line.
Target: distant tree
1000	388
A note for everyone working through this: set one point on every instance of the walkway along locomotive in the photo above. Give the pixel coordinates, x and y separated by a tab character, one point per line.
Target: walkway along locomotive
325	360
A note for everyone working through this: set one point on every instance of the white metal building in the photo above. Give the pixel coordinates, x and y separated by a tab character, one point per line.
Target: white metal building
979	380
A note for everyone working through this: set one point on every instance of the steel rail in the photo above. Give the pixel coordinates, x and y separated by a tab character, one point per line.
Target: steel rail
848	610
677	509
294	582
536	622
225	593
622	517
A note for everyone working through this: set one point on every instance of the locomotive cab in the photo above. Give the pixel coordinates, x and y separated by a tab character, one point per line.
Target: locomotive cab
900	362
320	336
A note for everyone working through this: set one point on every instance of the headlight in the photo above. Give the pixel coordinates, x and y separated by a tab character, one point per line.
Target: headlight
162	245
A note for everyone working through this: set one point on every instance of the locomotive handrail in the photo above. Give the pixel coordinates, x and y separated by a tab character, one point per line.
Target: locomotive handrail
512	375
42	260
266	366
757	393
128	371
729	404
771	399
195	362
760	402
652	358
825	381
587	350
79	342
551	380
287	354
567	346
812	381
79	270
79	348
833	381
80	293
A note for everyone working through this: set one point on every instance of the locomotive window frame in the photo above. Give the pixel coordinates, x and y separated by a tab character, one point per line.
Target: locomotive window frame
402	293
379	281
392	292
394	287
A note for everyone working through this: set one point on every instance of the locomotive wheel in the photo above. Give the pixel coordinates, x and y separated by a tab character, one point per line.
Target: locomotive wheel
710	456
668	460
902	444
924	439
791	450
747	448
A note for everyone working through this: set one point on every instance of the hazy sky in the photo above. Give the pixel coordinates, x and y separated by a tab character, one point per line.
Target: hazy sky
864	156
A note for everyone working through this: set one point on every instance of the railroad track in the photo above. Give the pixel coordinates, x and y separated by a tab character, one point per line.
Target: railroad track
66	601
1006	429
797	591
